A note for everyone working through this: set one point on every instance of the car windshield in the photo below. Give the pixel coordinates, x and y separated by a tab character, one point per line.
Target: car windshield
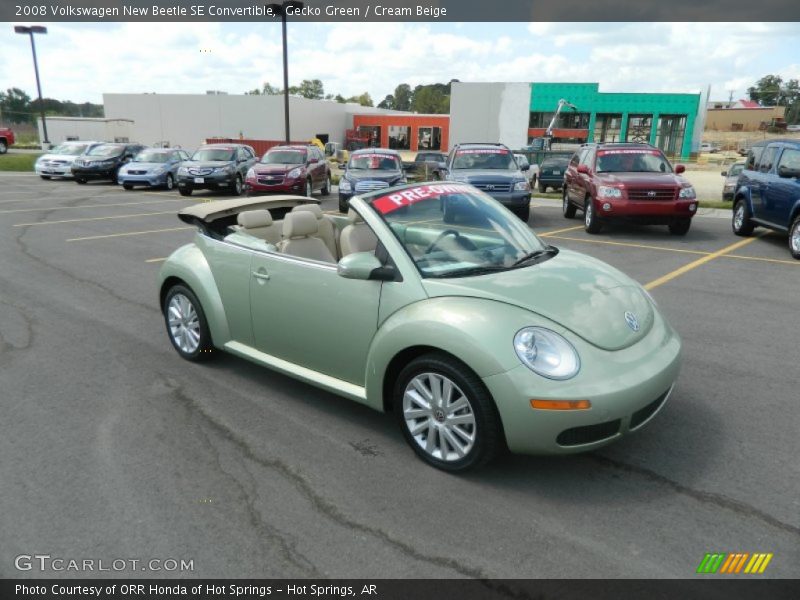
106	150
284	157
632	161
70	149
736	169
454	230
375	162
484	158
215	154
151	156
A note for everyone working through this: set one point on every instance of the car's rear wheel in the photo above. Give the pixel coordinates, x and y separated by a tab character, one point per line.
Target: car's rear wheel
328	185
794	238
3	147
186	324
80	180
591	221
446	413
566	207
169	183
185	191
237	187
680	227
741	223
542	188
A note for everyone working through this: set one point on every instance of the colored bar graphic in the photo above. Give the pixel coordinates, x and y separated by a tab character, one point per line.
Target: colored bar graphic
733	562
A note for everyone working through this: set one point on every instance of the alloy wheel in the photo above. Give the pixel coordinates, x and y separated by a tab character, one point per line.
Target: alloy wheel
795	237
589	210
439	417
184	324
738	217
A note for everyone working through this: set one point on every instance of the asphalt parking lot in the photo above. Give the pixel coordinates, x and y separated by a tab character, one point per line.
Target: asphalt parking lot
112	446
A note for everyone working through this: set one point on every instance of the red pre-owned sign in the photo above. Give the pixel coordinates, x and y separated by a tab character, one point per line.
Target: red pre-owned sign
391	202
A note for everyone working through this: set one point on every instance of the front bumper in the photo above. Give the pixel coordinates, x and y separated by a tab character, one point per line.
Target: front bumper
94	172
512	199
61	170
206	182
626	389
654	211
283	185
148	179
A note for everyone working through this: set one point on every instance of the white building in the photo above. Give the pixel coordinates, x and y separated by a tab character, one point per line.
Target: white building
62	129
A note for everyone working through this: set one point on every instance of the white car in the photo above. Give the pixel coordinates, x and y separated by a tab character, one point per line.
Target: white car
58	162
795	127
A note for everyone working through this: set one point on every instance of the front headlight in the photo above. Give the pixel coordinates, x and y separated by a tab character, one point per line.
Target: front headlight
606	191
521	186
294	173
226	169
251	173
687	192
344	185
183	171
546	353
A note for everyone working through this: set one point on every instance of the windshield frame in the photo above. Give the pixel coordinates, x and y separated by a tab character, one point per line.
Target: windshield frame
398	163
632	152
231	155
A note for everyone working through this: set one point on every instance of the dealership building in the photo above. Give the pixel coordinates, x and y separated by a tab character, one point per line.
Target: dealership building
517	113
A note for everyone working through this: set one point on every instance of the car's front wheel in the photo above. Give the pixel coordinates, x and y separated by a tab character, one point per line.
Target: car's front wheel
127	186
186	324
169	183
3	147
566	207
185	191
45	176
80	180
680	227
309	188
327	188
523	212
741	223
237	187
446	413
591	221
794	238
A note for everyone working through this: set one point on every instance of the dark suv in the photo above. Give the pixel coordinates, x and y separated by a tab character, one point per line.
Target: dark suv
103	161
492	169
215	167
369	169
768	192
627	181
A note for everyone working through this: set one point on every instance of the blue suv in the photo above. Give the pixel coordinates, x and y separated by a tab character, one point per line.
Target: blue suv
768	191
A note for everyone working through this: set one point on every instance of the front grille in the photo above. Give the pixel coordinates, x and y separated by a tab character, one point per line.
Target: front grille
370	186
588	433
137	172
270	180
195	171
493	187
650	194
641	415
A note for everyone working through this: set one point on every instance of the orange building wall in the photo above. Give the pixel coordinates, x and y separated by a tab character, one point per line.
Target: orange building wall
412	121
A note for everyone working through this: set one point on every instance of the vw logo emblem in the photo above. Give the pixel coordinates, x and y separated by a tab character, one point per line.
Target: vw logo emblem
651	194
632	321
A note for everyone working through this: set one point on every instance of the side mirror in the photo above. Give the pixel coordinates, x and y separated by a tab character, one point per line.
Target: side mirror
364	266
724	173
787	172
525	168
583	169
679	169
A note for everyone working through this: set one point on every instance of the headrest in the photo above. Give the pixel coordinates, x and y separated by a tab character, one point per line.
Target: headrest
312	208
354	217
299	224
252	219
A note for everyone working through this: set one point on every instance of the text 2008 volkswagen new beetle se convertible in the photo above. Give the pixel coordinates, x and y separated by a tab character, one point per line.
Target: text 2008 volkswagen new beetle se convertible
432	301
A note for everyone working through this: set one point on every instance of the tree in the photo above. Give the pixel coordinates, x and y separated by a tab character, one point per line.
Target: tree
16	106
767	90
431	99
364	99
311	88
266	89
402	97
388	102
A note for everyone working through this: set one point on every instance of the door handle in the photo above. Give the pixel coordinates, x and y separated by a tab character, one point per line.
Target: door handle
261	275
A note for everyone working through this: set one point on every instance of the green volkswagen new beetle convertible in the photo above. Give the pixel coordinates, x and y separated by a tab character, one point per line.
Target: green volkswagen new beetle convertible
431	301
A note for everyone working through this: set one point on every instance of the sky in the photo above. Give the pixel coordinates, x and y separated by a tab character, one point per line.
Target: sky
81	61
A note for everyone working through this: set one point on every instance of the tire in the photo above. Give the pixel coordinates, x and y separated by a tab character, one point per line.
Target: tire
591	222
794	238
80	180
740	222
523	212
186	324
566	206
327	187
343	206
680	227
45	177
542	188
127	186
236	186
3	147
309	188
473	441
184	191
169	182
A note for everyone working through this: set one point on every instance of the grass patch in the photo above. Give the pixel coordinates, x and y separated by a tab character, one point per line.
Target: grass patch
715	204
17	162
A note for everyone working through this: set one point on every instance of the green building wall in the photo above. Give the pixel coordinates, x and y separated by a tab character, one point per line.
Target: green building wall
589	99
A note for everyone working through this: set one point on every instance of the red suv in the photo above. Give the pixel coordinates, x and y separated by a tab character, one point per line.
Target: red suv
625	181
6	139
290	169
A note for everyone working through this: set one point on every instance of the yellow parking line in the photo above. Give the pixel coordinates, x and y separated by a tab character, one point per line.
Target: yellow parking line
114	235
795	263
21	210
167	212
551	233
628	245
699	262
155	260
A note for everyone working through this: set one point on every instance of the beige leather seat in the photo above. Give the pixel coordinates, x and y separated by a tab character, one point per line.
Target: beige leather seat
327	230
299	238
357	236
259	223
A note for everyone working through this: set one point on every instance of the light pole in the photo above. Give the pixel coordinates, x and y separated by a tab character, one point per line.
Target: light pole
279	10
30	31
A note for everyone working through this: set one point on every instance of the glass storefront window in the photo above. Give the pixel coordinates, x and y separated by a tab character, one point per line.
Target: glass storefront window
399	137
430	138
607	127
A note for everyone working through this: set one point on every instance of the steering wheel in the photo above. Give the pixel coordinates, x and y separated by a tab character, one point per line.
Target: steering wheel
465	243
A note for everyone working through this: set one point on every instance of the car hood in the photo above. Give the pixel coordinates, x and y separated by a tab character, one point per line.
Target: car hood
584	295
145	166
369	175
274	169
206	164
642	179
67	157
486	174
